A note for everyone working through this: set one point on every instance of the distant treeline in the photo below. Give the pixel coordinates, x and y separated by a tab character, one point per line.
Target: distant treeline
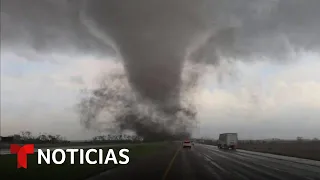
44	138
27	137
267	141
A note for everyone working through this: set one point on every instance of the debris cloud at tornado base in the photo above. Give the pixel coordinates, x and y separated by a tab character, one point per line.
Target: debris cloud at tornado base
163	46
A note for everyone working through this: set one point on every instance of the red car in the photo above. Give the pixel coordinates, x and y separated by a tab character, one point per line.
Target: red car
186	144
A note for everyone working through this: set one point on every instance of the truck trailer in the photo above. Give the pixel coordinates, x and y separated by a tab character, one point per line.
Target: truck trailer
228	141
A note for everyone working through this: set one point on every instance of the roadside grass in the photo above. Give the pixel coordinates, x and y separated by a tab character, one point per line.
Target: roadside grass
77	171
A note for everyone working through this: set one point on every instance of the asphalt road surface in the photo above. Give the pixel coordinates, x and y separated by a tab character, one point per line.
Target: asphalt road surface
204	162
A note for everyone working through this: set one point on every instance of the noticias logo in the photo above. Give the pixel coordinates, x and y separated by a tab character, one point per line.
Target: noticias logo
84	155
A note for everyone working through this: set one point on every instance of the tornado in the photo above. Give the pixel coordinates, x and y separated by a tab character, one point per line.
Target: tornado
154	40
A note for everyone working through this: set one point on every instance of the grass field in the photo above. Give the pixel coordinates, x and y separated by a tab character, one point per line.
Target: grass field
8	165
307	150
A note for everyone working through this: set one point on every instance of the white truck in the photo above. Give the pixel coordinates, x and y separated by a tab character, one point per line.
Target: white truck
228	141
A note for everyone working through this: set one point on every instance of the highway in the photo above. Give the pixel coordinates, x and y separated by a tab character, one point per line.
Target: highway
204	162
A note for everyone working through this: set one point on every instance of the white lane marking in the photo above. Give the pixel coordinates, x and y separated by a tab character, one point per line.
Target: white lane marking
211	161
207	167
309	178
246	165
284	158
212	171
228	172
285	167
240	175
250	159
273	156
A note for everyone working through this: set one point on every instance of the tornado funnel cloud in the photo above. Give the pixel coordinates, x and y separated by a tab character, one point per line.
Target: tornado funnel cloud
153	46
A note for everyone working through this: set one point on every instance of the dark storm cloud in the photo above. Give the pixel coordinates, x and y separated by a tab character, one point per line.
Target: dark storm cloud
154	39
46	26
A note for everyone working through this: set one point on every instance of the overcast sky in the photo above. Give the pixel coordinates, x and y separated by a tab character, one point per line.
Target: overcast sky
267	97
